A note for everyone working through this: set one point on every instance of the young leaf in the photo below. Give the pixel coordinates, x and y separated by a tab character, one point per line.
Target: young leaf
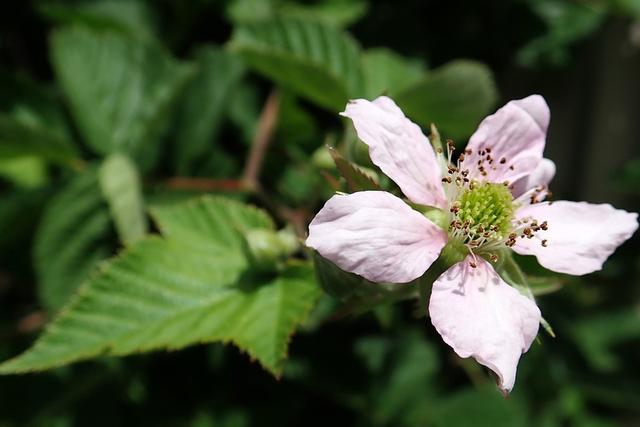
73	236
121	188
312	58
356	179
204	103
189	287
455	97
119	89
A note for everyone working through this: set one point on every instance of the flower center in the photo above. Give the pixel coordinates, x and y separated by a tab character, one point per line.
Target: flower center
483	212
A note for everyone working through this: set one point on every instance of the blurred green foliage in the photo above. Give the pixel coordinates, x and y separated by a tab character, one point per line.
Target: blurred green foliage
118	119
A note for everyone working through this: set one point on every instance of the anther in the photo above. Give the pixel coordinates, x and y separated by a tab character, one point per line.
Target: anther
544	243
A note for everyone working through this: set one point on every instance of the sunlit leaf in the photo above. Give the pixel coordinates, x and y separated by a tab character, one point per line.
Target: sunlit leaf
189	286
24	171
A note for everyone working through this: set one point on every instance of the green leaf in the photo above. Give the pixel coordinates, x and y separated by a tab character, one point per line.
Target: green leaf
19	210
244	111
340	13
190	286
217	222
386	72
132	17
74	234
24	171
628	177
119	89
341	284
23	134
244	11
597	336
121	188
483	407
313	59
203	106
455	97
410	381
567	23
356	178
359	294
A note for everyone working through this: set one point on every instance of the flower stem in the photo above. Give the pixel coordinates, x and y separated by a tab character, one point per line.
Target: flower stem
518	280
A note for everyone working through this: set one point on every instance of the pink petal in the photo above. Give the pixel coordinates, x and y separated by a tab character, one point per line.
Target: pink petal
580	236
515	133
399	148
541	176
480	316
376	235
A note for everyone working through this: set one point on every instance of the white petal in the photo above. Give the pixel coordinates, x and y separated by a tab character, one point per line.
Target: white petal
376	235
540	177
399	148
515	133
580	236
481	316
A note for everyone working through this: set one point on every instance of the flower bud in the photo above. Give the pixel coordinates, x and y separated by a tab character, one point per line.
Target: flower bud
266	249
